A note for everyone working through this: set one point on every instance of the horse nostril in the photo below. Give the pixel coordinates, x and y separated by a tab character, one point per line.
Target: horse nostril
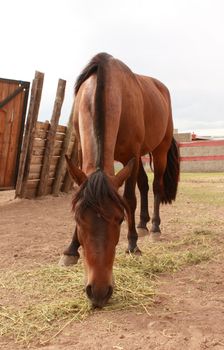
99	297
89	291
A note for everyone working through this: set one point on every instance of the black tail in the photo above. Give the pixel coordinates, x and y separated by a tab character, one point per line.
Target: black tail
171	175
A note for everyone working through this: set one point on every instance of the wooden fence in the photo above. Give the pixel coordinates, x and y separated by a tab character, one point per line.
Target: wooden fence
13	104
42	168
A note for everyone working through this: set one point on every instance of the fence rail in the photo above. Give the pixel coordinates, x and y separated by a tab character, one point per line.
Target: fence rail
202	156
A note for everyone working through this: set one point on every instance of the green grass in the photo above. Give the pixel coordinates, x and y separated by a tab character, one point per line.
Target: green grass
210	190
197	177
202	177
205	194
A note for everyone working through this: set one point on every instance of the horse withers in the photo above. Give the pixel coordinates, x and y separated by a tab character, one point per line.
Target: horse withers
118	115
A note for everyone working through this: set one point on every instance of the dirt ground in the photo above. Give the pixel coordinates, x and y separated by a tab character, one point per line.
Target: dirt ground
188	312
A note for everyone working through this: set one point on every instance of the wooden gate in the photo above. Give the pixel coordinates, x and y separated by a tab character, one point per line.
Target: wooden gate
13	103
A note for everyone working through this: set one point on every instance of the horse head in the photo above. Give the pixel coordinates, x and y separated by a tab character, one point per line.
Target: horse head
99	211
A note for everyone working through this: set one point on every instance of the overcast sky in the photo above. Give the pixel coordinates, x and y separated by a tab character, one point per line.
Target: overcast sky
180	42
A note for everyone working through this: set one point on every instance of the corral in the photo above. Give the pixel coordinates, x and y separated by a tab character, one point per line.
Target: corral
43	306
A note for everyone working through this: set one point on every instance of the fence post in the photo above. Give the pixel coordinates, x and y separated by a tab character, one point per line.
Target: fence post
44	177
61	167
27	146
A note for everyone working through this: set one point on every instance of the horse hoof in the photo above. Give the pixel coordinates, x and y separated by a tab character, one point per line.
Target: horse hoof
136	251
142	231
68	260
155	236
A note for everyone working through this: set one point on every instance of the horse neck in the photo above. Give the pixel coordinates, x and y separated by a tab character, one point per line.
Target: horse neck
90	148
90	156
98	136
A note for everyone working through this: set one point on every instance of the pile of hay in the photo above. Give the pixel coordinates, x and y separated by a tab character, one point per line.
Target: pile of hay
40	302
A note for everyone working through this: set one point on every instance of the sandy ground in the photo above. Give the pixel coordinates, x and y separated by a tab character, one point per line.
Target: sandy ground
188	312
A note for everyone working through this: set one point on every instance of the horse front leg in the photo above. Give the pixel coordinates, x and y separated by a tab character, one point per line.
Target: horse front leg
143	186
129	195
71	255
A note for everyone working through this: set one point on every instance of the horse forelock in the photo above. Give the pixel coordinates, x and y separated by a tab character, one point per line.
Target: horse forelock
94	193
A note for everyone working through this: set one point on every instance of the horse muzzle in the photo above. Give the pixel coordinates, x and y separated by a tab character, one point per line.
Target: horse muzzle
99	296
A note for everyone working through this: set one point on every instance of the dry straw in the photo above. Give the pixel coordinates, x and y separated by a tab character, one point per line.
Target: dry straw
39	303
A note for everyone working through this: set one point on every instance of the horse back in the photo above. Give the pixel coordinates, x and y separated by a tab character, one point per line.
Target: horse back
135	113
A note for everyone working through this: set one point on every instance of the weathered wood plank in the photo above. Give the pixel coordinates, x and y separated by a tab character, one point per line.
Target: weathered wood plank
2	131
61	128
45	126
12	120
31	193
70	148
27	146
15	113
39	143
3	144
38	160
42	134
38	152
35	168
42	125
49	150
61	167
60	137
36	175
34	183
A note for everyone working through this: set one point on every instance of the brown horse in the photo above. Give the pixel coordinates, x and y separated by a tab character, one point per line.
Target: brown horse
118	115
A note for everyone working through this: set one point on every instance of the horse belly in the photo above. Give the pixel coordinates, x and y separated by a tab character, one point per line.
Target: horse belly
130	137
154	135
156	125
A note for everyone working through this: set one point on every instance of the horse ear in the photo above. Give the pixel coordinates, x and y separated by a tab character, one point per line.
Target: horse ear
77	174
123	174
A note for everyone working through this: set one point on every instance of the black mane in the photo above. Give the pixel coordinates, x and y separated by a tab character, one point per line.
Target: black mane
90	69
94	193
97	65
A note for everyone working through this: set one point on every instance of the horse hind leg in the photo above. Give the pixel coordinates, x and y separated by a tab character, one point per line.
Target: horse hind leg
166	176
159	163
143	186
